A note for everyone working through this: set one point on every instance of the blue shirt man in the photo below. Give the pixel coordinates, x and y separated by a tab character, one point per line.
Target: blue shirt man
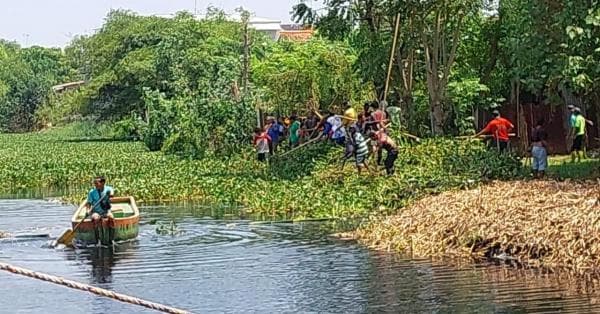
98	200
274	131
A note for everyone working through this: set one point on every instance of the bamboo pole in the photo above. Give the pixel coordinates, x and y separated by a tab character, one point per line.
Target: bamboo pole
392	53
297	148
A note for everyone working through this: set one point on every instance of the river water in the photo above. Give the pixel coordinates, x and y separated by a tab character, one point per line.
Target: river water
216	265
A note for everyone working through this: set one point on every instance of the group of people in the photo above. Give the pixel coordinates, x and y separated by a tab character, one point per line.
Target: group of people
361	134
366	133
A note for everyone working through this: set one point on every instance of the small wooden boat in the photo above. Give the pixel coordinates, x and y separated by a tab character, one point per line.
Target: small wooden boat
127	218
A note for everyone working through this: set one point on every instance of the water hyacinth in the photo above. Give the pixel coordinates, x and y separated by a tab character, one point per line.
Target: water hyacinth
309	184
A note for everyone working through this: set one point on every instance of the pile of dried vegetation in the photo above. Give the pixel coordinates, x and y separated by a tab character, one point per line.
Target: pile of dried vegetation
546	223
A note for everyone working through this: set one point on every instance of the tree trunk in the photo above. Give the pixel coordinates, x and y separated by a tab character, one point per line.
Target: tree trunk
439	62
437	114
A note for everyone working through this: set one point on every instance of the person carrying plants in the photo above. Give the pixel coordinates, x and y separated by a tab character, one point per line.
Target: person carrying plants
578	131
294	131
98	206
383	141
262	142
499	128
539	150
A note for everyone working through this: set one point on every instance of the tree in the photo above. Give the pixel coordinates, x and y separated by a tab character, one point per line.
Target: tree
294	75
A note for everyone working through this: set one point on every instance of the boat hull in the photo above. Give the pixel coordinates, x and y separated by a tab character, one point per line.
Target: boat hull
126	223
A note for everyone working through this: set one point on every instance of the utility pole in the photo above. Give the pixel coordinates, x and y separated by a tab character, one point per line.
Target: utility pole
246	57
245	15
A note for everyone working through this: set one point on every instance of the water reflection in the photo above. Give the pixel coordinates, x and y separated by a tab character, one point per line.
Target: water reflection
101	260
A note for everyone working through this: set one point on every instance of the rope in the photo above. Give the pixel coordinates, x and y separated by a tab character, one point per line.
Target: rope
98	291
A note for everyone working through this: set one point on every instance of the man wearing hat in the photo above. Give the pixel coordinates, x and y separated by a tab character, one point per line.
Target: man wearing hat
499	128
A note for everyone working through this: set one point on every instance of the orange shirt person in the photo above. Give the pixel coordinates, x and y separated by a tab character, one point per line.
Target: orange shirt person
499	128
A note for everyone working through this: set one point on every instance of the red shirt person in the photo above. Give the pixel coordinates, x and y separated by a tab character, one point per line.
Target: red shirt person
499	128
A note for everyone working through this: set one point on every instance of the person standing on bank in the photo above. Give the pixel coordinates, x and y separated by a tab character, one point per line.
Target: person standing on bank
539	150
294	131
262	142
578	132
499	128
274	130
98	205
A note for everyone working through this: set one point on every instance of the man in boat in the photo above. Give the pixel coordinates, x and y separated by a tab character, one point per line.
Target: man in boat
98	206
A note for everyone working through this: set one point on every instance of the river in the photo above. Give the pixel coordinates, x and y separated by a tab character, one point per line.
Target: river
216	265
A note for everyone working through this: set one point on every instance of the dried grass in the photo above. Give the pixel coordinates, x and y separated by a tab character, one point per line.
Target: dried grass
3	234
546	223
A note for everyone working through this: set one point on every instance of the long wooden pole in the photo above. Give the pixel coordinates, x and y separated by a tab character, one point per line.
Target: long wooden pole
297	148
392	53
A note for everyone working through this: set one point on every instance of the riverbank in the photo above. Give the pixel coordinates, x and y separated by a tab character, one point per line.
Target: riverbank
307	184
538	223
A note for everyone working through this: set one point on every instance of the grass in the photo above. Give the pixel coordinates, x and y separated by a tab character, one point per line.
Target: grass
561	167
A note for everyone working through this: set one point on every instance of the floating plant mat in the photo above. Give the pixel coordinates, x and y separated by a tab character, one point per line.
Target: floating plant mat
546	223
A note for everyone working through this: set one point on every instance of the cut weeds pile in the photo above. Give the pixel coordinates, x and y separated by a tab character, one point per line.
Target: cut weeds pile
547	223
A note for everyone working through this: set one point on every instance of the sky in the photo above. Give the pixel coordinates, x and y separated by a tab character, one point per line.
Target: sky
53	23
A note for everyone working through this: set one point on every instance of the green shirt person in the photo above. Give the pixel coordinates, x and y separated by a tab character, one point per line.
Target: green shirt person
578	130
294	131
579	125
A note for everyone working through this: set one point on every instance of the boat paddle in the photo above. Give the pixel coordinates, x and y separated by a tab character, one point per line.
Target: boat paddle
68	235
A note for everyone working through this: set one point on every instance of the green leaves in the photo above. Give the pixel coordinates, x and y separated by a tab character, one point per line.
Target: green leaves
292	74
574	31
26	79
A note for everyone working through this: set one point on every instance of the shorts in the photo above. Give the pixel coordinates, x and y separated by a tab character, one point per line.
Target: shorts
273	146
360	160
104	215
540	158
340	140
349	150
261	157
499	144
578	143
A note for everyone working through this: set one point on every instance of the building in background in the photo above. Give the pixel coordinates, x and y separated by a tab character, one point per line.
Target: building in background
272	28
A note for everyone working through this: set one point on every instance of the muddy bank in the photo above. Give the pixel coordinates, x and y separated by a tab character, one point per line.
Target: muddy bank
548	223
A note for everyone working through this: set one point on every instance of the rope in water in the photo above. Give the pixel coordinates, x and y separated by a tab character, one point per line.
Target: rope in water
90	289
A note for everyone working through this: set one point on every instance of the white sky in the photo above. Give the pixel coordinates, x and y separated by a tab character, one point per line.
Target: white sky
52	23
